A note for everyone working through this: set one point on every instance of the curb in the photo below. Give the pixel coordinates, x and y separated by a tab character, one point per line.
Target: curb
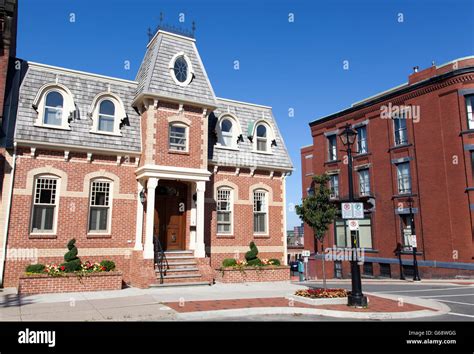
436	309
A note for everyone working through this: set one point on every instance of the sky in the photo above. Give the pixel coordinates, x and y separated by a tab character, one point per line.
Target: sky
311	58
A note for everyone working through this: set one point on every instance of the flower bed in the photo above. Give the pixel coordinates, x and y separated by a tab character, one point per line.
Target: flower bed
253	274
321	296
69	282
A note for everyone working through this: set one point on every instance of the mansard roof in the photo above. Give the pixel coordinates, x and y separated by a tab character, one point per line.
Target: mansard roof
154	76
248	115
84	87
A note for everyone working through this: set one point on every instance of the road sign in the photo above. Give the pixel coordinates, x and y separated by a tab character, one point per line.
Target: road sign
352	210
305	259
305	253
412	241
353	225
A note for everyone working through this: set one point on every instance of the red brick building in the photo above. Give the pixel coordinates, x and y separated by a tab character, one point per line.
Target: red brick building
415	145
127	166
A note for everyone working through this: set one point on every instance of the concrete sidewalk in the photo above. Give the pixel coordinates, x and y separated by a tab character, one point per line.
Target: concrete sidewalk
134	304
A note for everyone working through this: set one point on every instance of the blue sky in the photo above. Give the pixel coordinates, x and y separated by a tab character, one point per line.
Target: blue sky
283	64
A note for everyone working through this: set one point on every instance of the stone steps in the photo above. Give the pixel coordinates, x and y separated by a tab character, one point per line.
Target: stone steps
182	270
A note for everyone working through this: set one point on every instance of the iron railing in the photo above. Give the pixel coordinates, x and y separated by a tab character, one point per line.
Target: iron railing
161	263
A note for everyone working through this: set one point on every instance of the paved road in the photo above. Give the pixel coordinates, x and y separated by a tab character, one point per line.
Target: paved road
459	298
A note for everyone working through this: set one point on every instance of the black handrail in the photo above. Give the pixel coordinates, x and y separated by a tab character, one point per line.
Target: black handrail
160	259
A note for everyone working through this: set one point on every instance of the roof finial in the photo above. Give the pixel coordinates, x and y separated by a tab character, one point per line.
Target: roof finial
150	34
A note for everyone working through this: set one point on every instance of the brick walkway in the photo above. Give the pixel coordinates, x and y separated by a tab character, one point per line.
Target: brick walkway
376	304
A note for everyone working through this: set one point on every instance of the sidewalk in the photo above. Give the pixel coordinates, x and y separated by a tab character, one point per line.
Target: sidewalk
197	302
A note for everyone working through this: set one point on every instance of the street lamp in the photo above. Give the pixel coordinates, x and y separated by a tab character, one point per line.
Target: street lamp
356	298
416	274
142	196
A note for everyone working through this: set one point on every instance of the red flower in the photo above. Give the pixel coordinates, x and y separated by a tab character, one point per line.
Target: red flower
103	268
63	268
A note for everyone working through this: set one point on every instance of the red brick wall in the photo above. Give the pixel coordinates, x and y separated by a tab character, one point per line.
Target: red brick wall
243	215
440	171
230	275
43	284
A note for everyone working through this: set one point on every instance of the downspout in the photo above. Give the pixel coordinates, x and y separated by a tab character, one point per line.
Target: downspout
285	245
7	217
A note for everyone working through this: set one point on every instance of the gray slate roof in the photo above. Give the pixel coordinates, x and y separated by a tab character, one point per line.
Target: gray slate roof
84	87
247	115
154	75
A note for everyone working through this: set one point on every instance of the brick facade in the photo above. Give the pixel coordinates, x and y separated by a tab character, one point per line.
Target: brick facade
438	150
264	274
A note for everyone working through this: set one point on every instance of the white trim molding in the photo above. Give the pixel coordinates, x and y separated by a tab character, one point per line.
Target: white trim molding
190	70
170	172
68	106
119	113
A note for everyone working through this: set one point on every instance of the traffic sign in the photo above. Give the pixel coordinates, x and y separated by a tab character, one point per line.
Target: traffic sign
412	241
305	253
352	210
354	225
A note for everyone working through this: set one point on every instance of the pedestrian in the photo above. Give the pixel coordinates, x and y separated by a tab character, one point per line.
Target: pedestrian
301	269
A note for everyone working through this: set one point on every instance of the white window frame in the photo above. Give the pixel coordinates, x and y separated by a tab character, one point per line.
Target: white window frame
332	187
190	73
119	113
40	102
470	111
90	206
332	150
56	205
397	133
363	183
230	211
400	176
236	132
266	212
270	137
362	127
186	133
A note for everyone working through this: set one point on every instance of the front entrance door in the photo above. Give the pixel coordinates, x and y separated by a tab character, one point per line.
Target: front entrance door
170	215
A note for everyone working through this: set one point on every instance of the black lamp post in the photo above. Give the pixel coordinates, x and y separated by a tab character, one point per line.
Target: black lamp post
142	196
416	274
356	298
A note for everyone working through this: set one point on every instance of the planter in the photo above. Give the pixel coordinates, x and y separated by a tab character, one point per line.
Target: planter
253	274
43	283
321	301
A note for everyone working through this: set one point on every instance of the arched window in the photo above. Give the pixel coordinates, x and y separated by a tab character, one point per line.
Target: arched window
99	206
180	69
227	134
106	116
53	108
260	212
224	210
262	138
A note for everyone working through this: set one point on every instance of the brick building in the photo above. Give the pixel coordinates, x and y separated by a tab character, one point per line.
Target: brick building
125	166
414	161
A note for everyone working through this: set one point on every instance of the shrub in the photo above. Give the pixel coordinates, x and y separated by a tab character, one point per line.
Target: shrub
254	262
252	254
229	262
274	261
73	263
35	268
108	265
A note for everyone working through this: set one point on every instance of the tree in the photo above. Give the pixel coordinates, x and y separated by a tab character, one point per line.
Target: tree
318	212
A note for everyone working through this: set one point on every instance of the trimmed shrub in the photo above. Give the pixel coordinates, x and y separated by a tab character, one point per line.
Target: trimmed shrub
252	254
35	268
274	261
108	265
73	263
229	262
254	262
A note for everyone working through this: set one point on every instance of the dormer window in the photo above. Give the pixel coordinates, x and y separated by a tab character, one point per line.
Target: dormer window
228	131
53	108
181	69
54	105
107	112
106	116
262	140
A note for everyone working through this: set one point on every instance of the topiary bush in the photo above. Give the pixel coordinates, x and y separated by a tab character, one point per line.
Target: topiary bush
73	263
274	261
35	268
229	262
254	262
252	254
108	265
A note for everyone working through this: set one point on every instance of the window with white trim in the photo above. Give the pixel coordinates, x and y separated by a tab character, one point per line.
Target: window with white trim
44	205
332	147
224	211
334	186
227	132
99	206
400	130
364	182
106	116
469	111
53	109
54	106
260	212
178	137
362	140
403	178
262	138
